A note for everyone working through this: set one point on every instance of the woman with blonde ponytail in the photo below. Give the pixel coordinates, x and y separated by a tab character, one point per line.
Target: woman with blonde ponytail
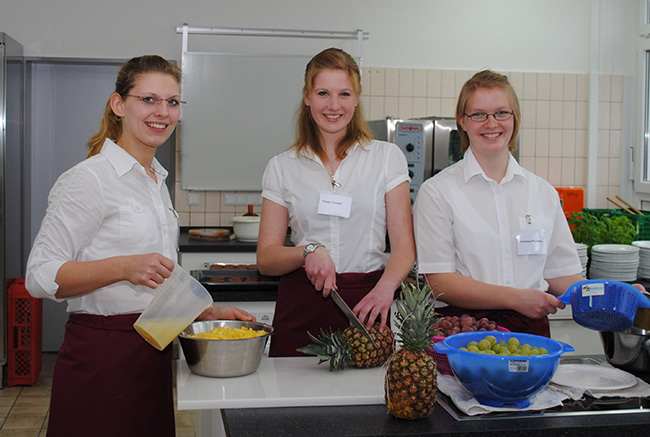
109	234
110	128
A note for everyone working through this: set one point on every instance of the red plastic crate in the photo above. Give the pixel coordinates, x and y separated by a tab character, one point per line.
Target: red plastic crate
573	199
24	335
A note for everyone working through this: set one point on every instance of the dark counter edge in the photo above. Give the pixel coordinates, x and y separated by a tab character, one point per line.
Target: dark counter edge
185	244
373	420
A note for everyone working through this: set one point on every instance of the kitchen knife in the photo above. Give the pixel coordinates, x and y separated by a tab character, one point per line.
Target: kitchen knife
338	300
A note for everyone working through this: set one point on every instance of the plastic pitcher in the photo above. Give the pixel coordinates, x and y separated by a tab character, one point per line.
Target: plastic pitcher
178	302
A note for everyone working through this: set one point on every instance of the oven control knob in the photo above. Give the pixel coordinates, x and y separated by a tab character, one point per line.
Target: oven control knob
411	174
410	147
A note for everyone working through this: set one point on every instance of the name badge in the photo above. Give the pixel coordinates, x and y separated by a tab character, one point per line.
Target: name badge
338	205
532	242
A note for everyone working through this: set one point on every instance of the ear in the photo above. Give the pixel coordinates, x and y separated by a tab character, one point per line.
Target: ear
305	99
117	104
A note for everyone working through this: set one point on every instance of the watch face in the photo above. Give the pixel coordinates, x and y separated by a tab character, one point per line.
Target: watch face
310	247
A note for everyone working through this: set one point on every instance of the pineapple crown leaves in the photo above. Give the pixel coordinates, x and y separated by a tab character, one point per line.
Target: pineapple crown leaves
330	346
415	317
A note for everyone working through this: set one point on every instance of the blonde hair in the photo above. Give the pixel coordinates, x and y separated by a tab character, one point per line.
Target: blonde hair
111	125
487	79
307	134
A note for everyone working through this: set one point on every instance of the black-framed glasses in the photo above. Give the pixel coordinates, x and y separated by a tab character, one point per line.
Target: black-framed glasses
483	116
153	101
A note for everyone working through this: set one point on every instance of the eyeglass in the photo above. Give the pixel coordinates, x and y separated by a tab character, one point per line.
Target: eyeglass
152	101
483	116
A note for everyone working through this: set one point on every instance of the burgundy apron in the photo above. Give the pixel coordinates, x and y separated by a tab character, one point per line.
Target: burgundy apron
109	382
509	319
300	309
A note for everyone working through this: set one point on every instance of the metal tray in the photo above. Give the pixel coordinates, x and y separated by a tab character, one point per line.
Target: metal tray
235	280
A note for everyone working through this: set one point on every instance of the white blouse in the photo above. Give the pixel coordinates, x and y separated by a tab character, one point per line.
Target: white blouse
465	222
104	206
357	243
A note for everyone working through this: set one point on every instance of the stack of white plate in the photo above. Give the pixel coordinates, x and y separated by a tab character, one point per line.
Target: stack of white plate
618	262
582	253
644	258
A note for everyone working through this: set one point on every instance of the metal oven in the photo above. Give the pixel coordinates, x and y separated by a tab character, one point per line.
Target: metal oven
242	286
429	144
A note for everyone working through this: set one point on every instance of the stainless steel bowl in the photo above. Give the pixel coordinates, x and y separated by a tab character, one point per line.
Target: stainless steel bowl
223	358
628	350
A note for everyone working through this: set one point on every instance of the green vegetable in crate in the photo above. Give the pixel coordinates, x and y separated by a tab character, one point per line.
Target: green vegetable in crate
586	228
590	229
620	230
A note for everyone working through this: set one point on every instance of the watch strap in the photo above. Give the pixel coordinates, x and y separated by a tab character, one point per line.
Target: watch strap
310	248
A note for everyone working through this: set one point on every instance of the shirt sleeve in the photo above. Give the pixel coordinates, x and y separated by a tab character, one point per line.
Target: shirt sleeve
272	182
396	167
433	228
74	214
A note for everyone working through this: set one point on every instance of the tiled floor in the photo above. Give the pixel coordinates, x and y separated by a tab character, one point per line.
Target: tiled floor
23	409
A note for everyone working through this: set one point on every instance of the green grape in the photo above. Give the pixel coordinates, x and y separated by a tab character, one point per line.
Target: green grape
489	346
484	345
513	341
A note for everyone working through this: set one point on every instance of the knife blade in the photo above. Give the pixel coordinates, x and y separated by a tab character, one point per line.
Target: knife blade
338	300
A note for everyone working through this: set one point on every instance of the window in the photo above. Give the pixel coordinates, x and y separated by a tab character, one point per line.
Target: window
642	132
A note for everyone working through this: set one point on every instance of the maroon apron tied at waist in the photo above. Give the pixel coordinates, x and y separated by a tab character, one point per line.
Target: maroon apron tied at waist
300	309
509	319
108	381
120	322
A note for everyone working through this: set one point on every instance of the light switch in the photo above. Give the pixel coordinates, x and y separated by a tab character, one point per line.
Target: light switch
194	199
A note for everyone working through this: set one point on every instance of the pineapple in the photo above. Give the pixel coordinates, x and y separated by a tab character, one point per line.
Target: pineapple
351	347
411	379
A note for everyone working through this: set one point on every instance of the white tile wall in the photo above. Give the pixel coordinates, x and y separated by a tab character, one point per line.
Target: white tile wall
553	132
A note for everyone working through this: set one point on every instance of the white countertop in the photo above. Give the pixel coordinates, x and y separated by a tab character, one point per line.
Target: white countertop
281	382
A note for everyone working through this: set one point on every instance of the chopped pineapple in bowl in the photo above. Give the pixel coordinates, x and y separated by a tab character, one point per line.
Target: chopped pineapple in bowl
501	368
224	348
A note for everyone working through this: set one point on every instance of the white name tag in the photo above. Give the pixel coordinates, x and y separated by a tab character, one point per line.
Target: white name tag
532	242
338	205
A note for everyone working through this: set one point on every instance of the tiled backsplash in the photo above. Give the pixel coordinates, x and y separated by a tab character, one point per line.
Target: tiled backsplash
553	133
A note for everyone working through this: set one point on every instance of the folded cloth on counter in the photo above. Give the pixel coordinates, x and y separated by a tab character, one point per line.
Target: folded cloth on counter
466	402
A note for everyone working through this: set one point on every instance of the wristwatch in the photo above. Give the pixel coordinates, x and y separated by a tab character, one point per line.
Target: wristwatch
310	248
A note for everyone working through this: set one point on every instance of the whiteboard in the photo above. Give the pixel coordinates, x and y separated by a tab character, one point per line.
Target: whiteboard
240	112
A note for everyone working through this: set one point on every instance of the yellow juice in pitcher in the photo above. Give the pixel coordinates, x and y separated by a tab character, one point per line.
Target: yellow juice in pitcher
160	332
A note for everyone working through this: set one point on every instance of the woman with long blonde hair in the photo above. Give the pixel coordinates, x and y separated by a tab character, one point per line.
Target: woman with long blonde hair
340	192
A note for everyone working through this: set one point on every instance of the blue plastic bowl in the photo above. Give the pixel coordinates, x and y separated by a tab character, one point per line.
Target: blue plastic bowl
604	305
499	380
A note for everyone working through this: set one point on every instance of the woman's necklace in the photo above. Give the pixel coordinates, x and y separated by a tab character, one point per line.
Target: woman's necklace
331	173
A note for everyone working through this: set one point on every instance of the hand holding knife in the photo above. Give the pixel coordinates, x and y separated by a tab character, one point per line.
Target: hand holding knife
338	300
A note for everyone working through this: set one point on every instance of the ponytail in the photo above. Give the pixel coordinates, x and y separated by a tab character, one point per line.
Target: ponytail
110	127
